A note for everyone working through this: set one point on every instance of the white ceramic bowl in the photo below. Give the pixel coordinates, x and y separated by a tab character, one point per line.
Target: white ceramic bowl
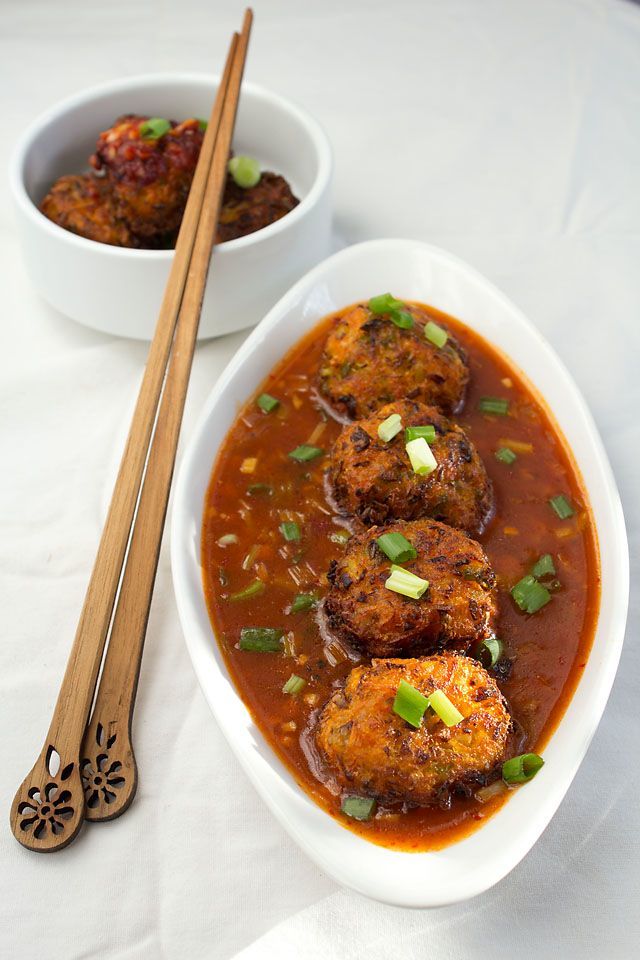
420	272
119	290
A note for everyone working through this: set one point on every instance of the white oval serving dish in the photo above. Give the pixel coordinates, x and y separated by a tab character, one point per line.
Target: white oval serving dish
464	869
118	290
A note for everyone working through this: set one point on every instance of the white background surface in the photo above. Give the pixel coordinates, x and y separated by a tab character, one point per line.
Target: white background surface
508	132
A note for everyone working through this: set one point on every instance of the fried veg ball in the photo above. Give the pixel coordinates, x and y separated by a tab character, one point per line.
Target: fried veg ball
373	751
369	361
150	177
247	209
84	205
375	482
457	609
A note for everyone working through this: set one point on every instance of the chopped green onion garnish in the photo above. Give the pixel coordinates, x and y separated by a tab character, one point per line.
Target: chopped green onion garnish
407	583
428	433
410	704
294	685
505	455
290	530
340	536
255	488
522	768
261	639
154	128
530	595
544	567
202	124
245	171
304	453
490	651
440	703
303	602
402	319
562	506
396	547
390	427
421	456
388	306
253	590
384	303
227	540
435	334
267	403
358	808
495	405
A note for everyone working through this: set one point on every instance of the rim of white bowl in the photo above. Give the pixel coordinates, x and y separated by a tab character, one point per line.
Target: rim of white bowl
313	129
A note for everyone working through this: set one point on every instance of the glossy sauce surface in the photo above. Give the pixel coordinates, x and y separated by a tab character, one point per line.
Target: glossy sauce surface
250	500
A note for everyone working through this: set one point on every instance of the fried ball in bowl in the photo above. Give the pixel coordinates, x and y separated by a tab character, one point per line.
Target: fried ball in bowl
247	209
150	175
84	205
374	481
457	610
371	750
369	361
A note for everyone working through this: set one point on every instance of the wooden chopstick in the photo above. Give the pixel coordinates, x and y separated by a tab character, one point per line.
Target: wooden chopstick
107	752
49	806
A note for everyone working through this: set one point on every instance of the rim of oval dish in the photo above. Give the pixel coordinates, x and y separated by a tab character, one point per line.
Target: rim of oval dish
461	870
315	131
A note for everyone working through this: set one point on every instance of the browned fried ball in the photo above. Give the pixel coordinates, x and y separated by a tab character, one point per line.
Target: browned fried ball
372	751
374	481
247	209
151	177
84	205
457	610
369	361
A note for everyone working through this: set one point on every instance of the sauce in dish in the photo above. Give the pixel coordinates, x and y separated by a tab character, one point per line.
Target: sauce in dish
401	569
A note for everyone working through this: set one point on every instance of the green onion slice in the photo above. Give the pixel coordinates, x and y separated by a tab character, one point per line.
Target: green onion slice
256	488
245	171
410	704
544	567
406	583
421	456
490	651
261	639
396	547
428	433
290	530
304	453
448	713
562	506
303	602
294	685
530	595
253	590
358	808
267	403
202	124
402	319
227	540
154	128
388	306
435	334
495	405
390	427
521	769
385	303
506	455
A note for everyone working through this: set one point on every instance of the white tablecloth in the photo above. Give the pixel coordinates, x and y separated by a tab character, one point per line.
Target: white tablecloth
508	132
